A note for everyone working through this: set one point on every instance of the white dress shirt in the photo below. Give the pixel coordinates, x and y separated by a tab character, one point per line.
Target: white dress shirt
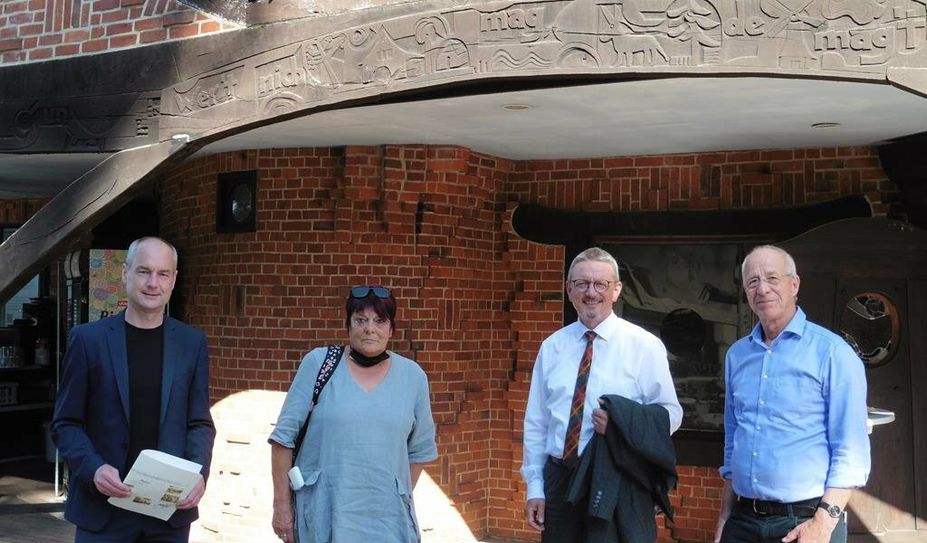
627	360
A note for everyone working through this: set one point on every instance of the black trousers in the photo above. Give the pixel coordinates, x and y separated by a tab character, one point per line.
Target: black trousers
563	522
128	527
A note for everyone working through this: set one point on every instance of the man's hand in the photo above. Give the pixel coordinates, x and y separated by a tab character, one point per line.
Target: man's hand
719	528
727	505
600	420
193	498
107	481
534	513
817	529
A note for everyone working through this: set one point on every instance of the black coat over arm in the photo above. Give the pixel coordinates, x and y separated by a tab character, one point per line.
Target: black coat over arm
626	473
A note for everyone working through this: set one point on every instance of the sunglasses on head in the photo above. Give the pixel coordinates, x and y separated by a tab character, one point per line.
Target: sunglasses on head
363	291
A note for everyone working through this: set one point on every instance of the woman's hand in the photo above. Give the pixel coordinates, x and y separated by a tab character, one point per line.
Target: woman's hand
283	521
281	459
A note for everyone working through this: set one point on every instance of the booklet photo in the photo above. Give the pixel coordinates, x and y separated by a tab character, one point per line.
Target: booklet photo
158	480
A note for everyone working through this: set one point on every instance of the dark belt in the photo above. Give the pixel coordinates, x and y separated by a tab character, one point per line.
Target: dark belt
763	508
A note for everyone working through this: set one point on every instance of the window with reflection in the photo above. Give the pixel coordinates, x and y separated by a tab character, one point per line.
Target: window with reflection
690	296
12	309
870	324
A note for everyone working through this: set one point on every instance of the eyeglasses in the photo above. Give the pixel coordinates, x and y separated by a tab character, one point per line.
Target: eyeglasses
362	291
771	280
599	286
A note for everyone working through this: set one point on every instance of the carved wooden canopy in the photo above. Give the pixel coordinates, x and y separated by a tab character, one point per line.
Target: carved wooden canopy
195	91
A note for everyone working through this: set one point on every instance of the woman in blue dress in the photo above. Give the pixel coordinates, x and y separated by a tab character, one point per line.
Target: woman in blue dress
367	439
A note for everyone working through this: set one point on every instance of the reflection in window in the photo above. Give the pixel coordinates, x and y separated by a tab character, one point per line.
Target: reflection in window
689	295
870	325
12	309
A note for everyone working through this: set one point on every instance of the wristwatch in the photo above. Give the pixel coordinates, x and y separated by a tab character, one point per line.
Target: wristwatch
833	510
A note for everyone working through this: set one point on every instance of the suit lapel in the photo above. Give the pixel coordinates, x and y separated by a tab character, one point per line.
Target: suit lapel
116	340
168	363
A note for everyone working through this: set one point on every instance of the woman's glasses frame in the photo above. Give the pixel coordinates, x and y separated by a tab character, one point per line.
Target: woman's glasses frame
362	291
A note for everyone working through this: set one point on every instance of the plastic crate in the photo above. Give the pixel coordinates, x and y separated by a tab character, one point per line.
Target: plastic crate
8	393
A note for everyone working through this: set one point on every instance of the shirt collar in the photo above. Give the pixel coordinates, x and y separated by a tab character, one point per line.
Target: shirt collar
604	330
795	326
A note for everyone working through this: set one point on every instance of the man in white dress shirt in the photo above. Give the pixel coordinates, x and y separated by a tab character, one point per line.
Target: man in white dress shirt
625	360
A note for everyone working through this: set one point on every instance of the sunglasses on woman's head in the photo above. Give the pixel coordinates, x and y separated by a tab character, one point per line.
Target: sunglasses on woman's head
363	291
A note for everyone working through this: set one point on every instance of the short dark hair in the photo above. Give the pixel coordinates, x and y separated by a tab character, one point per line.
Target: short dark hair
385	308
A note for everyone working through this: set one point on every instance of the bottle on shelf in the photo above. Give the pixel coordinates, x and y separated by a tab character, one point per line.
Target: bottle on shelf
41	352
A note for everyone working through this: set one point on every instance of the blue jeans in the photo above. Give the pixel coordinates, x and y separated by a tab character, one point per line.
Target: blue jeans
746	527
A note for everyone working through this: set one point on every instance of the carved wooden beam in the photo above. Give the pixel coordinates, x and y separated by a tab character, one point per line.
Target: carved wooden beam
80	207
231	10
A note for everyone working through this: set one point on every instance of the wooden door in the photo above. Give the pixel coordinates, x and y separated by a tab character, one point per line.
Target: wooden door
836	263
886	503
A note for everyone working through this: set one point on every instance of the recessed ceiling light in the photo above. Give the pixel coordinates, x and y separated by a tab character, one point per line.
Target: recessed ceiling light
516	107
825	125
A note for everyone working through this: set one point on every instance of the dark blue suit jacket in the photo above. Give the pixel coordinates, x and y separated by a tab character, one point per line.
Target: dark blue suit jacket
91	421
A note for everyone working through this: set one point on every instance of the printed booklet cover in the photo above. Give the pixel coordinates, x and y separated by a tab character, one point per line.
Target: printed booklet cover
158	480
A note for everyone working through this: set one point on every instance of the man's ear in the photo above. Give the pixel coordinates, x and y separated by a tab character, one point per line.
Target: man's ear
617	293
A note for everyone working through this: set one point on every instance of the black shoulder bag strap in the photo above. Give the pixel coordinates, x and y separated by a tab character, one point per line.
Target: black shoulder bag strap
332	357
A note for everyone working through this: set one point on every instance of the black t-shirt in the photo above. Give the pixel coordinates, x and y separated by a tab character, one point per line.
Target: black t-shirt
145	354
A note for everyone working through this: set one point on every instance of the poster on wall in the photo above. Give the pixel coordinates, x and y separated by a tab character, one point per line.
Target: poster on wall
107	294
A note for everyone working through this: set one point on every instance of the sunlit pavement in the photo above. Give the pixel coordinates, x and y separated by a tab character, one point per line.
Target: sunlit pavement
30	513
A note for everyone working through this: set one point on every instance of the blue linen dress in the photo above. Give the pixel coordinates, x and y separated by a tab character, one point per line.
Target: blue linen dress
355	459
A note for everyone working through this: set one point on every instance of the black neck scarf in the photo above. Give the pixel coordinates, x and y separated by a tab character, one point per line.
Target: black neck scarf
368	361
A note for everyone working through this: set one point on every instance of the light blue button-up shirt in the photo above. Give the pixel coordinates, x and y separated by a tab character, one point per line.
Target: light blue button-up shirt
794	414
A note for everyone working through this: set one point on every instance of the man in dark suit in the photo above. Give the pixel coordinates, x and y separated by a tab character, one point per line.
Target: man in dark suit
137	380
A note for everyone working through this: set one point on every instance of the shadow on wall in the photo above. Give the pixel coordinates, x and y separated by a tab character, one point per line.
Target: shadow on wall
237	505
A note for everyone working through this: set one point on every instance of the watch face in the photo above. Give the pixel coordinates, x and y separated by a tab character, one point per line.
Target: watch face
242	202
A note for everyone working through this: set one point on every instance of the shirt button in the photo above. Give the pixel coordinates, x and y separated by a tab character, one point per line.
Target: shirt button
754	454
762	402
757	426
765	376
754	479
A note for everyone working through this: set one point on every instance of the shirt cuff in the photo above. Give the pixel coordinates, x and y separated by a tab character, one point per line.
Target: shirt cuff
536	489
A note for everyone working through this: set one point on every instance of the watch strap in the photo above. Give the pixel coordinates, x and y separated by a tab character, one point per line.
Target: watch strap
832	510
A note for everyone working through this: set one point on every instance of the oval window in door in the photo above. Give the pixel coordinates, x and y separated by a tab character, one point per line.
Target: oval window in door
870	325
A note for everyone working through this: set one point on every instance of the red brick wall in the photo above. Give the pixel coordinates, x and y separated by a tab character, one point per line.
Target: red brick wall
476	299
34	30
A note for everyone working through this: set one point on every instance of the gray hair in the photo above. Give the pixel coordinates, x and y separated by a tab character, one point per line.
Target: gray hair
790	268
595	254
133	249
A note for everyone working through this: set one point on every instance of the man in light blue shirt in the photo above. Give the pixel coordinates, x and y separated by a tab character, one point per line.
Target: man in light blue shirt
796	443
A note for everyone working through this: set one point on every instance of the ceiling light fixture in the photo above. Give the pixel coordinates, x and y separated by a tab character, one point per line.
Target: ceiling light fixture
825	125
516	107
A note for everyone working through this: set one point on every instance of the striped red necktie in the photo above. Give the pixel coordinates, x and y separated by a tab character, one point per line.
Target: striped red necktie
571	443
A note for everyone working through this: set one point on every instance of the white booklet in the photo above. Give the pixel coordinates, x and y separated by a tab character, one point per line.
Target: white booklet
158	480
